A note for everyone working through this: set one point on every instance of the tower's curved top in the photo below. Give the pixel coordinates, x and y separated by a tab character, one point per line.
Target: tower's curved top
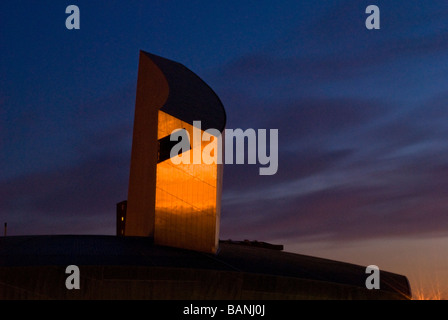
190	98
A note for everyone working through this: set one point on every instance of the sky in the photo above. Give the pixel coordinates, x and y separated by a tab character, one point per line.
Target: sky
361	117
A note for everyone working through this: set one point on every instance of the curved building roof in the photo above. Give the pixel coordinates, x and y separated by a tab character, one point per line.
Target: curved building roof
134	268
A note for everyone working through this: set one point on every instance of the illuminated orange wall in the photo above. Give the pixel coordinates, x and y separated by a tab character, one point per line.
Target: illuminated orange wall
187	209
152	92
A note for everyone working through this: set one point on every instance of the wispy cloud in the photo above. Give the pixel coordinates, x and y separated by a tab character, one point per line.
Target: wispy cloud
349	168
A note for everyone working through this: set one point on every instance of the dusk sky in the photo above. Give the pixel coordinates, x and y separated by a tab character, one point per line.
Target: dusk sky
362	117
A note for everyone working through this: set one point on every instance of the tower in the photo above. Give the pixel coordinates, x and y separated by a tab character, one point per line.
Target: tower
178	205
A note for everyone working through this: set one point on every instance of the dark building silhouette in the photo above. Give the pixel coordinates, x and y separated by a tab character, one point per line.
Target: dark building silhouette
114	267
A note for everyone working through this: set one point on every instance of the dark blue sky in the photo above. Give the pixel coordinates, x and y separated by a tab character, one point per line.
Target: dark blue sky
362	114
